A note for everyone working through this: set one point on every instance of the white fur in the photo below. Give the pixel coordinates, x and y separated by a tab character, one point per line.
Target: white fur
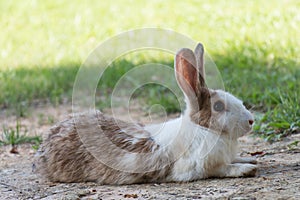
237	117
198	149
194	146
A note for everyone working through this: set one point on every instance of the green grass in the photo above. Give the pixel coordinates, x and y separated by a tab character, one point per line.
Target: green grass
283	120
153	94
255	44
21	86
15	136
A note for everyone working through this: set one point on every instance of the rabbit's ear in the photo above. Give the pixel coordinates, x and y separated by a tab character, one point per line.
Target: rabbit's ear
186	71
189	70
199	52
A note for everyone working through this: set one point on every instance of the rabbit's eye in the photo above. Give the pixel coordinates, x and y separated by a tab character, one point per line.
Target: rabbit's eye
219	106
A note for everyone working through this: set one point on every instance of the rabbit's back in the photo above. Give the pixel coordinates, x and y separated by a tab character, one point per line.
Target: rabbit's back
95	147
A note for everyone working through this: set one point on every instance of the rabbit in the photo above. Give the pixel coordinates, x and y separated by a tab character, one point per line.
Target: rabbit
201	143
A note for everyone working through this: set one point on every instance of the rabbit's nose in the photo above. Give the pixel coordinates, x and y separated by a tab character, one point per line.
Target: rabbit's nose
251	121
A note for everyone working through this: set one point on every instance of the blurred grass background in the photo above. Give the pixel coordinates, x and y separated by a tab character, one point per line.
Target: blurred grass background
254	43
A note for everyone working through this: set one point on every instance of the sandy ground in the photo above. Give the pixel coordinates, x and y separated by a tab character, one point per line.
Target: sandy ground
278	175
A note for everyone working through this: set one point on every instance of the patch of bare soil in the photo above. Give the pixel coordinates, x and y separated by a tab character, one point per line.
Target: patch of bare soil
278	175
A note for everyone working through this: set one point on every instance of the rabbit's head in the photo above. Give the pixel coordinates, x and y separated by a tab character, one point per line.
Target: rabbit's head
214	109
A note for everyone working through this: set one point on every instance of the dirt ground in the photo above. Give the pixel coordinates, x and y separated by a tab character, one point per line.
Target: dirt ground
278	176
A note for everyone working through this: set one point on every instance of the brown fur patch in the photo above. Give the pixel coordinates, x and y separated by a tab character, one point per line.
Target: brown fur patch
68	154
122	134
201	108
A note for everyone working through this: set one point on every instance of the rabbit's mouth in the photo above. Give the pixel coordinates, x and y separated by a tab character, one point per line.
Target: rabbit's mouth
244	129
236	131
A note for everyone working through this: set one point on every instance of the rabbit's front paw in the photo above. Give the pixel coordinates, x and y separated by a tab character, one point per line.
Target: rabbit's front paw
240	170
248	170
245	160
